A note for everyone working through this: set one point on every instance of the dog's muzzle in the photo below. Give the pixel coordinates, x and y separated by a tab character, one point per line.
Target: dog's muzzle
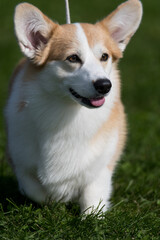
102	87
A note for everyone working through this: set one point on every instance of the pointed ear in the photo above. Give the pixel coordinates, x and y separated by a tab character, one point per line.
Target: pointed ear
33	30
123	22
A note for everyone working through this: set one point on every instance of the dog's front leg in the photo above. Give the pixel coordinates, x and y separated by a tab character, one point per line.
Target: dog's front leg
95	195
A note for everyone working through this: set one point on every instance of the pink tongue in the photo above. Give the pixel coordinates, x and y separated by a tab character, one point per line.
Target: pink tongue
97	102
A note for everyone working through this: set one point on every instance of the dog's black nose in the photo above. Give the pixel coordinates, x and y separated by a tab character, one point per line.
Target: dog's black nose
103	86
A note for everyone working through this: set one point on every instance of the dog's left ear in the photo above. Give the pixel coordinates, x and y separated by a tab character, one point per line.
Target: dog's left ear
123	22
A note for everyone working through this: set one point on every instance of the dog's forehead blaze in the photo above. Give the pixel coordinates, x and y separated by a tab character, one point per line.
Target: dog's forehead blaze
96	34
64	41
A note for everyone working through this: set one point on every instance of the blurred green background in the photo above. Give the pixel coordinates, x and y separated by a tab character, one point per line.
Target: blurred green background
137	178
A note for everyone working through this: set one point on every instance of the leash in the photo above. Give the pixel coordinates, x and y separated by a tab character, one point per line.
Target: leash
68	19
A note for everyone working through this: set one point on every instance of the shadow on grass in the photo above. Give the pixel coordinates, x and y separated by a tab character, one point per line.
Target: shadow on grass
10	196
9	193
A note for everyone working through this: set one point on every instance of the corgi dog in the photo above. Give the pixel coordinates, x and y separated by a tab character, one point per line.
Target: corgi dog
66	124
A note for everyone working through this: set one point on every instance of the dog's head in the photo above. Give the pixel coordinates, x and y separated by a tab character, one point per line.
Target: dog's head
76	60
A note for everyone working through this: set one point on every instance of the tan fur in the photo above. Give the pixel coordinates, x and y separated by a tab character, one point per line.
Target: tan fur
122	136
60	49
98	34
43	54
54	49
116	120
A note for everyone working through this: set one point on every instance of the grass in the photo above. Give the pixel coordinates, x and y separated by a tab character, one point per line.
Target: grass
135	211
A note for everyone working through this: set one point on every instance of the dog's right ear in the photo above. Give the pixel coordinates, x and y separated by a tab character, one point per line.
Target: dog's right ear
33	30
124	22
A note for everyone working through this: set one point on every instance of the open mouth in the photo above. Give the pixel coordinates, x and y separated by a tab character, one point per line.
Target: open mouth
90	102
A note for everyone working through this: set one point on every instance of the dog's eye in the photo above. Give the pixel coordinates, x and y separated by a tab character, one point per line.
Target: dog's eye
104	57
74	59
